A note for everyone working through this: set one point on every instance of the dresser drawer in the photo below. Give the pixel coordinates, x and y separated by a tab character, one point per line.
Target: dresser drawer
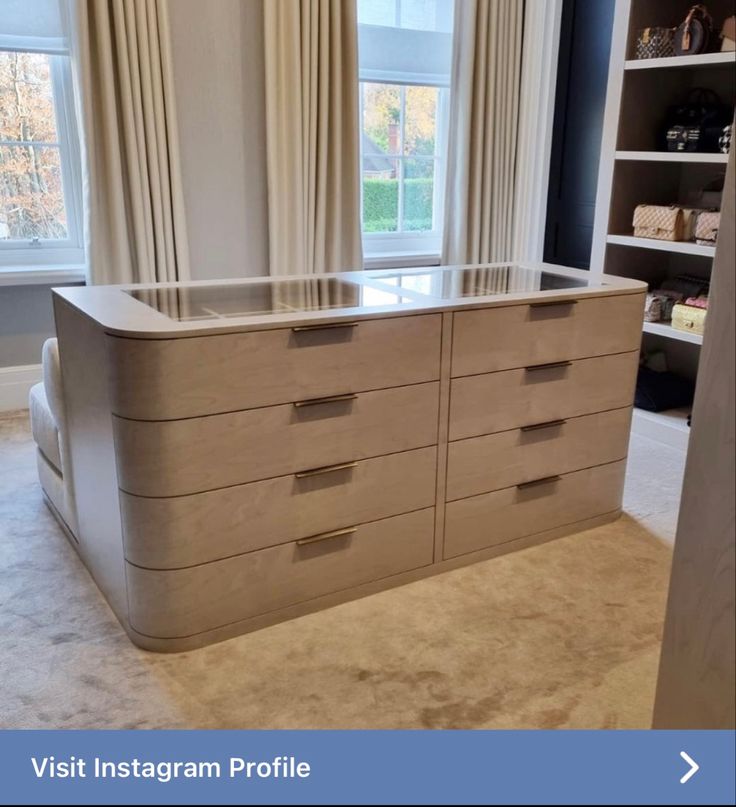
178	378
490	339
495	402
183	602
494	461
504	515
167	533
176	457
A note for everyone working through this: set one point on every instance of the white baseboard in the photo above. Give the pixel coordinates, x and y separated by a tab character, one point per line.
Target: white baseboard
15	384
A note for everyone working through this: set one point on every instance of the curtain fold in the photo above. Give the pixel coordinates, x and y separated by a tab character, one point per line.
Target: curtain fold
484	115
134	207
312	130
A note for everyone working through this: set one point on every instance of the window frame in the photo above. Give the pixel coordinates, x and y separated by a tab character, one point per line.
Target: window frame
381	246
391	249
53	254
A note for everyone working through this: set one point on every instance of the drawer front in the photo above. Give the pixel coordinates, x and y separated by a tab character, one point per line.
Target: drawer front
169	533
178	378
183	602
491	339
504	515
495	402
494	461
177	457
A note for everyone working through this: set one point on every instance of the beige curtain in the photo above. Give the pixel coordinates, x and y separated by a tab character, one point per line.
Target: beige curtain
134	209
484	117
313	136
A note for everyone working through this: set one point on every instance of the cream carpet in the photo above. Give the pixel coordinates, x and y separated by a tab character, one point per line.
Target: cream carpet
564	635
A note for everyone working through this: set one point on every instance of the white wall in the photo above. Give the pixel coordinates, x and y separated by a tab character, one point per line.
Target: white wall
219	83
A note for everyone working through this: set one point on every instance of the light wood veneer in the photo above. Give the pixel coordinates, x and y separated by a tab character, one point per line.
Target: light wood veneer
177	457
486	340
503	515
494	402
166	533
494	461
236	473
180	603
181	378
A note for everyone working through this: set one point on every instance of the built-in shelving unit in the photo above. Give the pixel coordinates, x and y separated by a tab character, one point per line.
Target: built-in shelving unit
635	169
665	329
682	62
681	247
672	157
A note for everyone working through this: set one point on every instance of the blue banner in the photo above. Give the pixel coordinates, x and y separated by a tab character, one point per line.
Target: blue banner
367	767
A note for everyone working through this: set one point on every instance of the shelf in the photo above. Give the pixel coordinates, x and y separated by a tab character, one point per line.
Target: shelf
673	157
702	60
681	247
663	329
669	427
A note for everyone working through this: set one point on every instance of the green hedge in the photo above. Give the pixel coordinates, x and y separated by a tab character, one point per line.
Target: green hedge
380	204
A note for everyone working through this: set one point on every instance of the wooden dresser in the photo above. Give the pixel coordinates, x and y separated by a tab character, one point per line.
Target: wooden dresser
246	452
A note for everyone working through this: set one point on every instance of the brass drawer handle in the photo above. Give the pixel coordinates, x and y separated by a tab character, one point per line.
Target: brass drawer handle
549	366
329	399
549	303
327	469
325	536
324	327
534	482
550	424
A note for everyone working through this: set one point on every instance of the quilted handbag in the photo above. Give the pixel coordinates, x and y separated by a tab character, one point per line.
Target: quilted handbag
706	228
665	223
655	43
689	318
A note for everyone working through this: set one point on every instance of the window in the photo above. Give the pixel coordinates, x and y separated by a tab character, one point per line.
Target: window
40	186
405	49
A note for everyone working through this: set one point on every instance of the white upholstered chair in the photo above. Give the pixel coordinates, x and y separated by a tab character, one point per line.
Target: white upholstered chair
48	425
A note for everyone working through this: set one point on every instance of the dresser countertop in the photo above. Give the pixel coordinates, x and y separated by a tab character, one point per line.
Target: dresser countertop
196	308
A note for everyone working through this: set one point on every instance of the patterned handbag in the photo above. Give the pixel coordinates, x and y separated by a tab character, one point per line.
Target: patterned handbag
655	43
724	141
663	222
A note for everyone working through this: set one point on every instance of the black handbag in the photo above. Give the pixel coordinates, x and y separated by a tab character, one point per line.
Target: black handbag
659	391
695	33
696	124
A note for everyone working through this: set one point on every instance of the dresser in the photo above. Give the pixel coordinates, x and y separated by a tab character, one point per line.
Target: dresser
246	452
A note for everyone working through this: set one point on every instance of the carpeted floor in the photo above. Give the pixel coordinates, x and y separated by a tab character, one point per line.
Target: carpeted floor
564	635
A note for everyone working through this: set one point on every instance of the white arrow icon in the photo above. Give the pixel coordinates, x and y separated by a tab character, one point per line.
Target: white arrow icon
694	767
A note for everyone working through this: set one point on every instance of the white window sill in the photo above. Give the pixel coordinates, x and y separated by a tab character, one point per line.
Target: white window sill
41	275
399	260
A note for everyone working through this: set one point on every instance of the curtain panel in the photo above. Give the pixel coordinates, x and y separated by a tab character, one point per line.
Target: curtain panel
134	208
312	130
484	115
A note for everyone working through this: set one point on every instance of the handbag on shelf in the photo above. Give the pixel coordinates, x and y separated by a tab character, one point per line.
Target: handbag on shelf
706	227
657	391
728	34
695	32
663	222
655	43
697	123
724	141
689	317
659	304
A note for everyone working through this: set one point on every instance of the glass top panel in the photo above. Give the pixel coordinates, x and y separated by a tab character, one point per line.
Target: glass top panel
479	281
192	303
